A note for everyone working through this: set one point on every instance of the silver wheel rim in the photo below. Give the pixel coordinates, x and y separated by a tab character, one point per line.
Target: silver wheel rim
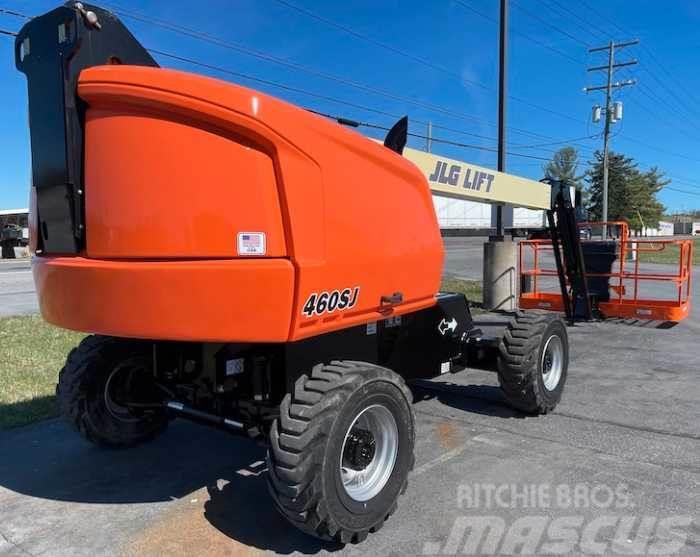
362	481
552	362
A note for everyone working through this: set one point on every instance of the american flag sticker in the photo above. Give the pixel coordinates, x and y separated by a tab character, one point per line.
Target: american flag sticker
251	243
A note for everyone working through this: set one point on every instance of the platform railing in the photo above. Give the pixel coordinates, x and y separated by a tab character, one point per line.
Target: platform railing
625	277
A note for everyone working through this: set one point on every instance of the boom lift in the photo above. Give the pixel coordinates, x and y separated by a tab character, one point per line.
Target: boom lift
566	269
299	318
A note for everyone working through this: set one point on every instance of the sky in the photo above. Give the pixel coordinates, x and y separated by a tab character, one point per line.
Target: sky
436	61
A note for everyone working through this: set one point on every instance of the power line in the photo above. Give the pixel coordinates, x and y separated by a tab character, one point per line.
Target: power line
671	110
587	29
572	140
673	125
523	145
453	130
647	50
421	136
385	128
323	97
670	75
523	35
674	178
676	124
271	58
518	99
684	180
600	16
14	13
659	149
196	34
331	99
261	55
215	40
366	124
645	90
549	25
302	91
324	75
681	191
375	42
273	83
276	84
299	67
682	183
409	100
671	93
651	55
460	78
610	114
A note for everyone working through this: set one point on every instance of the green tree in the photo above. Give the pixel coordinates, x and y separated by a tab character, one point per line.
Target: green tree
631	193
564	166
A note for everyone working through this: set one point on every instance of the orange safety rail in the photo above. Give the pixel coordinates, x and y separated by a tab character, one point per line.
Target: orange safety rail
630	282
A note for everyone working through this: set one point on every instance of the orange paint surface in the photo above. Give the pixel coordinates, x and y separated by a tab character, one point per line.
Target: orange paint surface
178	165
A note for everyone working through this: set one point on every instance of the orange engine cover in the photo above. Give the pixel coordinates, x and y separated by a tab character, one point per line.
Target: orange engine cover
189	181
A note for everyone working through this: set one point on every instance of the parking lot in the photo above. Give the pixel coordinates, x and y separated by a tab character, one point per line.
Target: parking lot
615	470
17	294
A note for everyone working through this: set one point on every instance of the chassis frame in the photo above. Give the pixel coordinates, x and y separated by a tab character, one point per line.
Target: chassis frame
239	387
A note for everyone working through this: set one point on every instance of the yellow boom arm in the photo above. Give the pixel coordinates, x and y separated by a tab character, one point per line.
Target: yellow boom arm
453	178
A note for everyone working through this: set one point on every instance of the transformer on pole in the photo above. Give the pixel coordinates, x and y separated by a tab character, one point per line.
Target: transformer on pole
613	112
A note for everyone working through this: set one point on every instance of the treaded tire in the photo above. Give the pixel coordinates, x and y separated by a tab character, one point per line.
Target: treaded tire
81	393
8	252
520	361
306	446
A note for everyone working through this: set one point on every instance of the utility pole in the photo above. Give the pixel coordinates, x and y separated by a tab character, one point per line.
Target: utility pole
500	257
502	82
612	113
429	138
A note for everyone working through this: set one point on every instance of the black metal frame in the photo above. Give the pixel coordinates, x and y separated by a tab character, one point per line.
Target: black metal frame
418	345
52	50
566	241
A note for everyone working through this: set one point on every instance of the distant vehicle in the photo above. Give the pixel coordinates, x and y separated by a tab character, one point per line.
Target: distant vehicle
12	236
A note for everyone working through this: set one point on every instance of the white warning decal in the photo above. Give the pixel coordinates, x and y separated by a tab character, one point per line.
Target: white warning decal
446	325
251	243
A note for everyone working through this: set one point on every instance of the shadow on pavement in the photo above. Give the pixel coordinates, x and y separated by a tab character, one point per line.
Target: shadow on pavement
50	461
479	399
243	510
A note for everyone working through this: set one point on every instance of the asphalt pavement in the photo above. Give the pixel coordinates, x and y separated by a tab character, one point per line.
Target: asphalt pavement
17	293
614	470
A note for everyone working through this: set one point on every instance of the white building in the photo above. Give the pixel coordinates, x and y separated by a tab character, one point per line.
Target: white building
472	215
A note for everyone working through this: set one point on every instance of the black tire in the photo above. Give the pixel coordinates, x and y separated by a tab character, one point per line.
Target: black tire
307	444
8	252
522	361
95	368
